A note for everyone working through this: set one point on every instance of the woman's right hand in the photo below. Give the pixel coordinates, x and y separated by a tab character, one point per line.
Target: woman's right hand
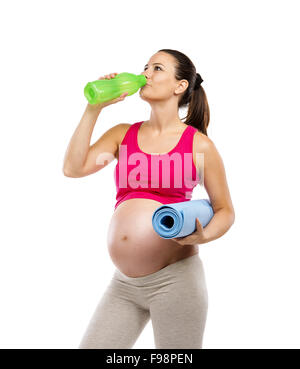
113	101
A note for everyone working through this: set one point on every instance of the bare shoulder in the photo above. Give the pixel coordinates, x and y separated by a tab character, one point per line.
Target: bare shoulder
121	130
202	143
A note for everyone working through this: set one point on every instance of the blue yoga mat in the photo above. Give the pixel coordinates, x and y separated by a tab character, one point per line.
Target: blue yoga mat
179	219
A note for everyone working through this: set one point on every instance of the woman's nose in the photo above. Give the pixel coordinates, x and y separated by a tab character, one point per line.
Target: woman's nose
146	75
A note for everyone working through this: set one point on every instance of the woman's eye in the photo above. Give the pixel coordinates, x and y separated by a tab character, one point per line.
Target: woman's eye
154	67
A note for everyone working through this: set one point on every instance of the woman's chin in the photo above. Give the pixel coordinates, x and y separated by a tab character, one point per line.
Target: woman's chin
143	97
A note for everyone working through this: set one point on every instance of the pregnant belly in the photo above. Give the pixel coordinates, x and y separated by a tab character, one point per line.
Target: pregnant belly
133	245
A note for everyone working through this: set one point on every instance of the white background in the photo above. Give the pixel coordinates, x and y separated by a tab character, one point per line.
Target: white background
54	263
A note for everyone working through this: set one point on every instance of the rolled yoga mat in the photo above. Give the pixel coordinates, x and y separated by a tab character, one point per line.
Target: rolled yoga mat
179	219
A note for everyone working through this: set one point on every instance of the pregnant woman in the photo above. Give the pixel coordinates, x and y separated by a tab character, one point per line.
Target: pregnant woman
157	163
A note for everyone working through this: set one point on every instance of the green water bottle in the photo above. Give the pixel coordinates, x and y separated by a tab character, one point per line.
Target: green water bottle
103	90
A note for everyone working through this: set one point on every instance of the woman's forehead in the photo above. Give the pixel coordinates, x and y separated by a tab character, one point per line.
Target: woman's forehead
162	58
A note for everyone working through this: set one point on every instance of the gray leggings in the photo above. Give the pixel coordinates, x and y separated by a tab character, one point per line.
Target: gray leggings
175	298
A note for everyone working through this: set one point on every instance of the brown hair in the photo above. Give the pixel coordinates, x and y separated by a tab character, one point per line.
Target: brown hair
198	109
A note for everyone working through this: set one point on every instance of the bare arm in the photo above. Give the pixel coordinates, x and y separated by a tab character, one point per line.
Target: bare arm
81	159
215	183
79	144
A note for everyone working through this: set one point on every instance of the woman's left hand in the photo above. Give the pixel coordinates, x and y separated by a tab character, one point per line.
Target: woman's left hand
194	238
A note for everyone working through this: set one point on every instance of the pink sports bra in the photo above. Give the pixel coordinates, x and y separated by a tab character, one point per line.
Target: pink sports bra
167	178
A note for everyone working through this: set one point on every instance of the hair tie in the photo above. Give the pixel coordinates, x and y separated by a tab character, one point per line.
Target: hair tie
198	81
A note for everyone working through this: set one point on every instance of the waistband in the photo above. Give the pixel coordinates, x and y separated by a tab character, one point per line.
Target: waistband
178	266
